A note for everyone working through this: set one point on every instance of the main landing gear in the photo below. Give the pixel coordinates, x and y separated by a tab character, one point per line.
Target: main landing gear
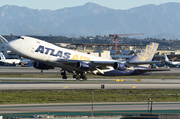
77	76
80	75
63	73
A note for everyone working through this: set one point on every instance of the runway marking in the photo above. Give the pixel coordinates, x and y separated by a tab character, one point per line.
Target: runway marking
65	87
134	87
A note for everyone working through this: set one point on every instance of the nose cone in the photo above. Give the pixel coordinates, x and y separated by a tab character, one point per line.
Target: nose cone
14	45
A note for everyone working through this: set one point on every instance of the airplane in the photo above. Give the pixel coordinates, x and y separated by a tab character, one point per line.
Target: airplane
47	56
171	62
9	61
13	61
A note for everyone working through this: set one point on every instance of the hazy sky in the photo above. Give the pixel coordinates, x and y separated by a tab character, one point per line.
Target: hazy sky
59	4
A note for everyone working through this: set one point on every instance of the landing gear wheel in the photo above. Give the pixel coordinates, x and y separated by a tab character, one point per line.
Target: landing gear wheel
63	73
74	76
84	78
64	77
78	77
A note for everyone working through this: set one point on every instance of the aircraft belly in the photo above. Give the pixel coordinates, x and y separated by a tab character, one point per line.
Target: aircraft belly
62	65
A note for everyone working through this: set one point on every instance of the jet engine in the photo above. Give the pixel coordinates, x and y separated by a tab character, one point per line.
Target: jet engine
42	66
82	65
119	66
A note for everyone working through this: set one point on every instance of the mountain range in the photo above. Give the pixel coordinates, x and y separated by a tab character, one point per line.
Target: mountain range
92	19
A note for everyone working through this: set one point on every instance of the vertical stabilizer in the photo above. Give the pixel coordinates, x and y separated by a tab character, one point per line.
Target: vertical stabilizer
166	58
2	56
3	39
146	53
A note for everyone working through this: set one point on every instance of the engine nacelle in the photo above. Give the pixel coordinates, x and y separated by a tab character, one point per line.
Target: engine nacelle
42	66
119	66
82	65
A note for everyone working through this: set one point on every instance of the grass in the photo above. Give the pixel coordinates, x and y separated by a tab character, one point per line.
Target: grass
79	96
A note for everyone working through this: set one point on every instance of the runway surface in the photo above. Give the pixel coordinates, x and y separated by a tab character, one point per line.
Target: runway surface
18	83
87	107
92	83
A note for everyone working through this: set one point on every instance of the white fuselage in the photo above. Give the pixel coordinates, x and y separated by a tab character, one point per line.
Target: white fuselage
11	61
48	53
175	63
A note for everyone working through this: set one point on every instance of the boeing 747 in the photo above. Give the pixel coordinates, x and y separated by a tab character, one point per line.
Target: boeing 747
48	56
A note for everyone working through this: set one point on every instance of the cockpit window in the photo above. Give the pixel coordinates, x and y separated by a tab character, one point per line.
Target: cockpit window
20	37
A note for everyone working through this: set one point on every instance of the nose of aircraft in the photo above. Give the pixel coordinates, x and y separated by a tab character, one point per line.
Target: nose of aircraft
13	45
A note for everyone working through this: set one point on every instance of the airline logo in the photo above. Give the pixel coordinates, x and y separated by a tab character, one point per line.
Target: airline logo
66	55
45	50
77	57
148	52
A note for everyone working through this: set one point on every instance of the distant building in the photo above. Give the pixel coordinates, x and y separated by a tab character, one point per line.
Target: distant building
115	52
102	53
127	52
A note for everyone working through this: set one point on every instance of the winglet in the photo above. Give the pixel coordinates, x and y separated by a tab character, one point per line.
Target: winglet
3	39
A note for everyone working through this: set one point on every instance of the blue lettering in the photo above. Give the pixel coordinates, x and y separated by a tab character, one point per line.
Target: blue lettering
47	50
52	52
66	55
40	49
59	53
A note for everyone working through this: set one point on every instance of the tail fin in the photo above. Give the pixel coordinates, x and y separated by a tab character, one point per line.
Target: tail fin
2	56
173	59
146	54
3	39
166	58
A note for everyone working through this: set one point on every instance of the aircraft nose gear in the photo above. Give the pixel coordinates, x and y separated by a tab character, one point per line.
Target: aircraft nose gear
63	73
78	76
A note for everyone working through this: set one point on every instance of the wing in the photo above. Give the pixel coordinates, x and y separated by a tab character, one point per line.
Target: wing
92	64
136	63
153	69
86	65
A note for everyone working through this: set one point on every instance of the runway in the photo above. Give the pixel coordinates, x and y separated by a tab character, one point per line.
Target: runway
26	70
126	107
92	83
20	83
